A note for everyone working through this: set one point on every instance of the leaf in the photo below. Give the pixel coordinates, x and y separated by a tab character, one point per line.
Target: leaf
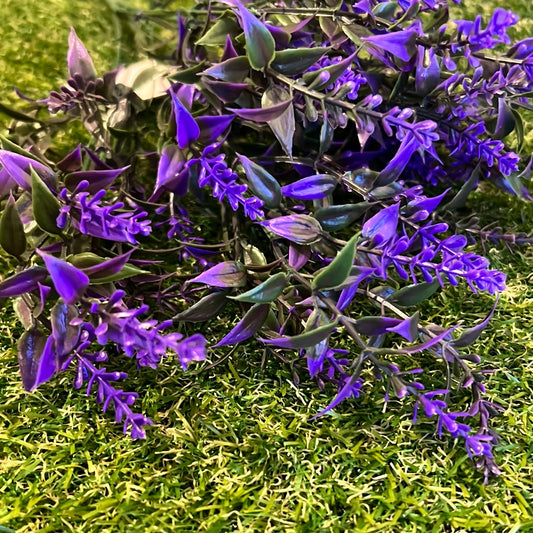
468	336
337	217
506	120
375	325
97	179
189	75
69	282
45	205
204	309
311	188
301	229
187	130
382	227
234	70
339	269
65	336
217	34
36	358
225	274
146	78
260	45
297	60
327	75
263	114
262	183
266	292
12	236
401	44
305	340
26	281
414	294
283	126
247	326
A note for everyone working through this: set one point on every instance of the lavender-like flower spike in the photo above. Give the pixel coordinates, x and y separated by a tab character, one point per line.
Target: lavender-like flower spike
89	216
116	323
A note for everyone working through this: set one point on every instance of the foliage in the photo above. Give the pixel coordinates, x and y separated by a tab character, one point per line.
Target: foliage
343	140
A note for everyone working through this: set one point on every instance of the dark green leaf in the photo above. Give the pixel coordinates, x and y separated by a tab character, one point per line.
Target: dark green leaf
268	291
44	204
297	60
414	294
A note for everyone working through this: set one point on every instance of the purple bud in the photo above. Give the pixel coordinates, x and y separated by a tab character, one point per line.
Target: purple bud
381	228
78	59
301	229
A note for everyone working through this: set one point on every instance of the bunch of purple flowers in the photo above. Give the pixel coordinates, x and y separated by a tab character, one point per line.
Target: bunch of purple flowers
342	143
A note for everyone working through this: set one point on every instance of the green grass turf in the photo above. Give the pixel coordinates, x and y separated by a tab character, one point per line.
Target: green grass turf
233	447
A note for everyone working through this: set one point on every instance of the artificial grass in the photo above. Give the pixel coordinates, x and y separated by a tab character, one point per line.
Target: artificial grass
234	447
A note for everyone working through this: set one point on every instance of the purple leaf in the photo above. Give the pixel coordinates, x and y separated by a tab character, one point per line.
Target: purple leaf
65	336
187	129
381	228
69	282
375	325
304	340
211	128
407	328
248	326
472	334
78	59
105	268
18	168
26	281
206	308
225	274
36	358
351	388
226	92
72	161
300	229
401	44
169	175
97	179
264	114
311	188
298	255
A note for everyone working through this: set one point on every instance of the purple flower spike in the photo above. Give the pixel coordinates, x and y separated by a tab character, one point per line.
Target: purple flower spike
78	59
187	130
69	282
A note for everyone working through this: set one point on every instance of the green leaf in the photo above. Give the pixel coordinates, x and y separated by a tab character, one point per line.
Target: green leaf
309	338
188	75
283	126
337	217
339	269
263	184
44	204
297	60
216	35
12	236
260	45
414	294
268	291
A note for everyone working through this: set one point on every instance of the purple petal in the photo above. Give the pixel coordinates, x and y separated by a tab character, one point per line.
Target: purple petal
187	129
69	282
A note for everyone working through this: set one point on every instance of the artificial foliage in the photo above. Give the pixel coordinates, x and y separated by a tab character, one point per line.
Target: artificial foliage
303	167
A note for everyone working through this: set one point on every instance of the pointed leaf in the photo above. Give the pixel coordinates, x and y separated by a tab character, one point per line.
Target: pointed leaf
206	308
187	129
301	229
297	60
36	358
212	127
337	217
339	269
234	70
311	188
26	281
468	336
407	328
283	126
97	179
264	114
262	183
221	29
12	236
78	59
69	282
305	340
225	274
375	325
266	292
414	294
260	45
65	336
382	227
17	166
44	204
248	326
